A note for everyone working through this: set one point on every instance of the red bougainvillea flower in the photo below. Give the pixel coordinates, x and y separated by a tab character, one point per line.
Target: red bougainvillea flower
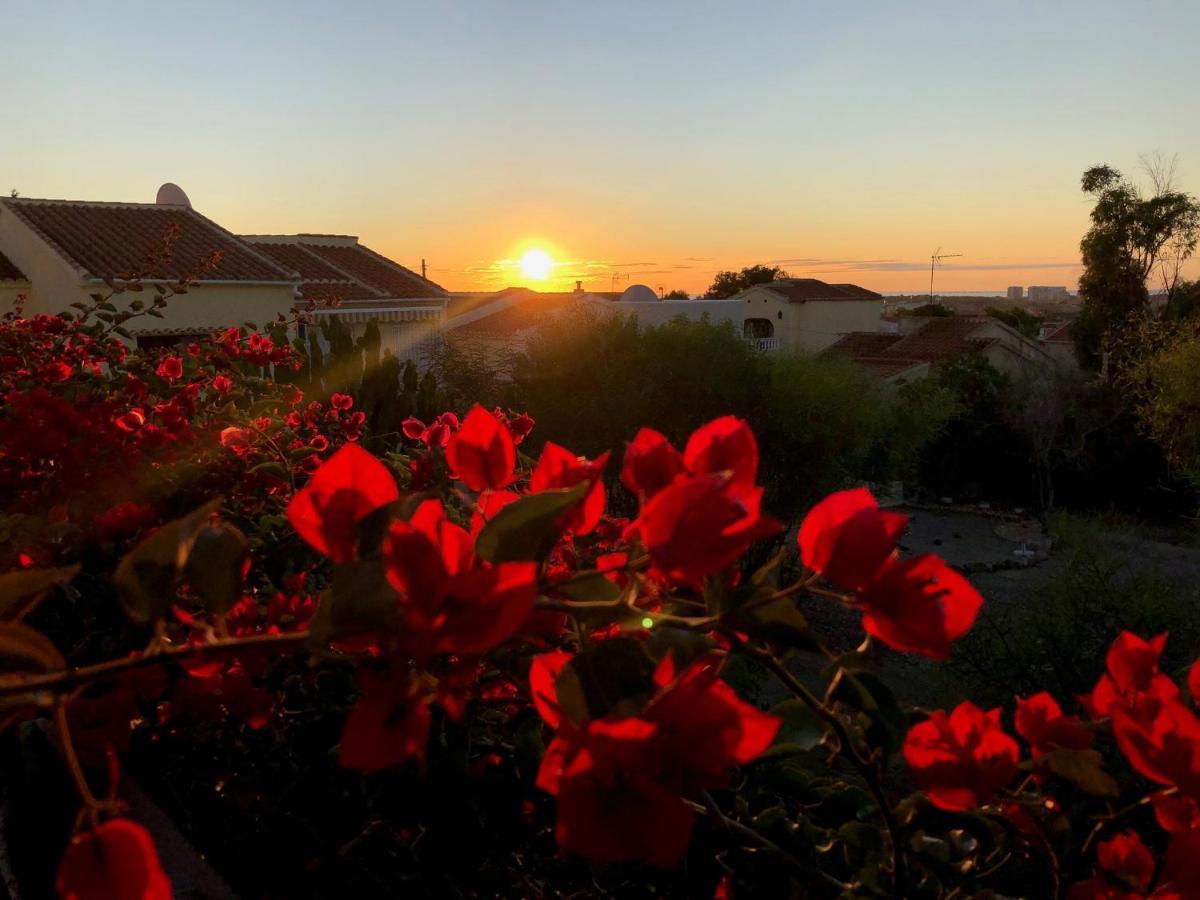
919	605
1132	675
452	601
1128	858
170	368
960	760
239	440
389	725
846	538
1128	868
702	524
619	781
1041	722
520	426
724	445
131	421
1161	740
348	487
341	401
651	463
437	434
116	861
222	384
557	468
1175	812
482	454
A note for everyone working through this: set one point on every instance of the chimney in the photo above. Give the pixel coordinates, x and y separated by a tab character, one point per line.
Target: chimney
579	287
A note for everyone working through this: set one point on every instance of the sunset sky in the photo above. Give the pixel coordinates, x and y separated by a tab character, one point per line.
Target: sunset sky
631	141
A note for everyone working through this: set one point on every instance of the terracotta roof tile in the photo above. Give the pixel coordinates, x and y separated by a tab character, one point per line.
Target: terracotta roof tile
9	270
323	291
939	339
1060	334
389	278
121	239
801	290
296	259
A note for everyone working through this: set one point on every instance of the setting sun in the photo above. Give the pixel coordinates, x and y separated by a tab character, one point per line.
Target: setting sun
535	264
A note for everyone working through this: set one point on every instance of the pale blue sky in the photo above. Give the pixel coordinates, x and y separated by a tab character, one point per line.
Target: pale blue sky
684	136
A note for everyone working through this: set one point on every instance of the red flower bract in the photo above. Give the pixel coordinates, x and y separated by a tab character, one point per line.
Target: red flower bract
482	454
650	464
846	537
1161	740
1127	857
558	468
702	524
919	605
724	445
453	602
1041	722
960	760
170	368
619	781
388	725
348	487
1132	675
116	861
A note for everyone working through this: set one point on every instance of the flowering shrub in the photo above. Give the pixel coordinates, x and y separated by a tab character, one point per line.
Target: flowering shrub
476	591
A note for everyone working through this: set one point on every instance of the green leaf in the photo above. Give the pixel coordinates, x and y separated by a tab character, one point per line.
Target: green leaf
1085	768
270	467
215	565
802	729
779	621
527	529
146	577
594	587
616	675
866	693
359	601
24	585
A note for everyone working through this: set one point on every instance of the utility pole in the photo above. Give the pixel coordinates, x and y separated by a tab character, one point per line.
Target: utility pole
422	267
935	259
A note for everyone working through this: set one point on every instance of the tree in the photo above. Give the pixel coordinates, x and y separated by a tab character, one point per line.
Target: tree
933	310
677	294
726	284
1133	237
1020	319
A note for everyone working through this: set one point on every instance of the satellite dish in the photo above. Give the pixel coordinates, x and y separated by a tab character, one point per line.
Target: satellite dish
172	195
639	293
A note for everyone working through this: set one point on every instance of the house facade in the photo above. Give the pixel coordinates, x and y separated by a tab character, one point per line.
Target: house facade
68	250
925	342
347	282
797	315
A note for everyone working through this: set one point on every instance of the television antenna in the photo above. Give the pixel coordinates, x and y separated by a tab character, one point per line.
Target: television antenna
617	276
935	259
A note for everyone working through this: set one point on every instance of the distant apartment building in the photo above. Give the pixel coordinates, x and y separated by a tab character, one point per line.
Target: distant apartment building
1016	292
1041	293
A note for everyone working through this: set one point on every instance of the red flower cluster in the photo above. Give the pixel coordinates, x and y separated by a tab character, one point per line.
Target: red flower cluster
700	510
115	861
918	605
960	760
620	781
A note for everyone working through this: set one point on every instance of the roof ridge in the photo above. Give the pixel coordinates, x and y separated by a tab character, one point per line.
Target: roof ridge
348	277
402	268
123	203
250	248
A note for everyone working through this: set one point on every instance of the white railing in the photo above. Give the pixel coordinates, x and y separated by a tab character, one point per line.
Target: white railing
763	344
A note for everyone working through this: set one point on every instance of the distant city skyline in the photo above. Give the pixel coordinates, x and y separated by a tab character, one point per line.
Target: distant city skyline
657	143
